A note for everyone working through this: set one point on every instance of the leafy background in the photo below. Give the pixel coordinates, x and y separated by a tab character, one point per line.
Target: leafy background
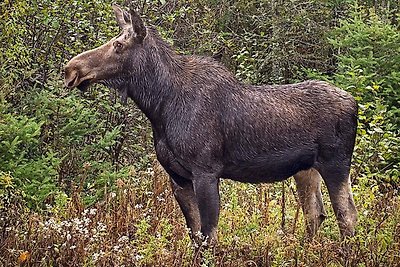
79	181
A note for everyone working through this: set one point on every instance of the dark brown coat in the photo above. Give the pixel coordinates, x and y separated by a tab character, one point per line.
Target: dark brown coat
208	125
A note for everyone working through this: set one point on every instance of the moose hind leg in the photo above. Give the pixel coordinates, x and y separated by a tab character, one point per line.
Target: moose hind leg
338	182
309	192
186	199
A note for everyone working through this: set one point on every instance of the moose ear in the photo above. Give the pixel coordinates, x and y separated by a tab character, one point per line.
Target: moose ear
138	25
122	17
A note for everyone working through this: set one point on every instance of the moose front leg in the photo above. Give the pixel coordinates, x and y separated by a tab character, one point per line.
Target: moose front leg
184	195
206	188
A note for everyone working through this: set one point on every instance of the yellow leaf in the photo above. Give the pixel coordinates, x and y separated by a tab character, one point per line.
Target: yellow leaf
24	257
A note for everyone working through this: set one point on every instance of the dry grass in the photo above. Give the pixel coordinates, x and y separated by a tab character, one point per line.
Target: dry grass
141	225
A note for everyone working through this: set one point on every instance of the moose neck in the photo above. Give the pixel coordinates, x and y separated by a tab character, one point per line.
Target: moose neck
156	81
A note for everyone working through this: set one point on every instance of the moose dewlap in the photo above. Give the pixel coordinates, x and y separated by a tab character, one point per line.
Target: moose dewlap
207	125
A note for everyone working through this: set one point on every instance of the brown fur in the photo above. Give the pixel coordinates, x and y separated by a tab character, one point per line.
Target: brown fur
208	125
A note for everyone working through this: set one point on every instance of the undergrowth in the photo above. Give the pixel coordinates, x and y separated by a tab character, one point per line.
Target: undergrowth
260	225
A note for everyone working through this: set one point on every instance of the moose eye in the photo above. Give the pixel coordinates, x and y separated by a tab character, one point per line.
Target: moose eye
117	46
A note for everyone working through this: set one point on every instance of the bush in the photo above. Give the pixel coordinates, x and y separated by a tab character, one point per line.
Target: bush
369	60
261	42
55	141
368	67
21	157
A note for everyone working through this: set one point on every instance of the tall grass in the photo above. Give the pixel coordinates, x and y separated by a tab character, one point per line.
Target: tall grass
141	225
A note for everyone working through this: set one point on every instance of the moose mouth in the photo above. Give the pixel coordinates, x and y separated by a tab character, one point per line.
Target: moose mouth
84	85
81	83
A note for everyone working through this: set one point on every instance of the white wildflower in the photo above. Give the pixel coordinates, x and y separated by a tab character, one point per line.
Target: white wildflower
101	227
76	221
138	257
92	211
123	239
150	171
86	221
85	211
95	256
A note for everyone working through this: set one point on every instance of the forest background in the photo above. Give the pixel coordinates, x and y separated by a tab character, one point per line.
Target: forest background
79	180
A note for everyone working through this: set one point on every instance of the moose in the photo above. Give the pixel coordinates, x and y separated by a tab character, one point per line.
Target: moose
207	125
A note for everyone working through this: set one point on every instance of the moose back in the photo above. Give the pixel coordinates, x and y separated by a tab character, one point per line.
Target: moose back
207	125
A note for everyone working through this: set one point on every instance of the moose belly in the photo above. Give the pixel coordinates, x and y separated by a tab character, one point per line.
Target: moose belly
268	168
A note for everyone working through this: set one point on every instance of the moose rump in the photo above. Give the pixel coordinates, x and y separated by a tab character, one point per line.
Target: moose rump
207	125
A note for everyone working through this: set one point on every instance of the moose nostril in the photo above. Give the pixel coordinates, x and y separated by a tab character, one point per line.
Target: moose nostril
71	83
70	78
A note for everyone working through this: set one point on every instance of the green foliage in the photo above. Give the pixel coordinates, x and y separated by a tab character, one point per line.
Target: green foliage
20	155
37	37
262	42
367	52
368	66
54	141
377	153
369	59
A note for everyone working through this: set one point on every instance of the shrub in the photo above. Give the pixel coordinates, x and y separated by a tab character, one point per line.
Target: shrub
21	157
368	67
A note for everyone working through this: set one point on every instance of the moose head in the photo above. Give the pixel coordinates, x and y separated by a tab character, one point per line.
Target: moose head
112	61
